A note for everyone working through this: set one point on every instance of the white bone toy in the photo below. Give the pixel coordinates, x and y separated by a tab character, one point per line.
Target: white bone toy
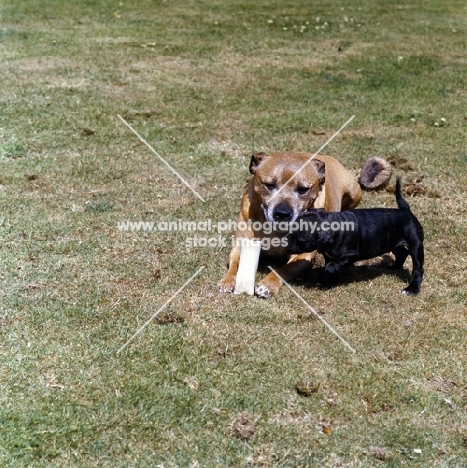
247	266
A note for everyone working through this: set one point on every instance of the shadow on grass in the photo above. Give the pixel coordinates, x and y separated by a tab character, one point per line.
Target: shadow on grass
361	272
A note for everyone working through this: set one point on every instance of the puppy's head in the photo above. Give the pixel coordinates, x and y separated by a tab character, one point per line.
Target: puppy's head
303	235
287	184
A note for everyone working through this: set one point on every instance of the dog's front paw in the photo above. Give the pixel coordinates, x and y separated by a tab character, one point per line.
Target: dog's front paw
268	287
263	292
226	284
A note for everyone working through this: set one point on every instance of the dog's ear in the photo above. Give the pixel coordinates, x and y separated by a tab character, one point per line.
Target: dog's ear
256	160
320	169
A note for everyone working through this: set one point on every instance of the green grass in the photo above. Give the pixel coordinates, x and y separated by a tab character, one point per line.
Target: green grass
208	83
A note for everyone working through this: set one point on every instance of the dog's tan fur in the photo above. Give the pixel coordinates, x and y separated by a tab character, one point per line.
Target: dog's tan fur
322	183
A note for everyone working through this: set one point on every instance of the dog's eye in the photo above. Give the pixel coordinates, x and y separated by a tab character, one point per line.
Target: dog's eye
302	190
269	186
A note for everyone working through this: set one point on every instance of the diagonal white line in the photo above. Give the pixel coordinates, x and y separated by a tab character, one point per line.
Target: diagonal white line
313	310
160	310
161	158
316	154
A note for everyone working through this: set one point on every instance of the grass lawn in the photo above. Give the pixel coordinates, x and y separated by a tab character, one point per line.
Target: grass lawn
207	83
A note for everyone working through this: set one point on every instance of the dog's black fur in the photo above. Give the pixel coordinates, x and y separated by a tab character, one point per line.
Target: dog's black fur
376	231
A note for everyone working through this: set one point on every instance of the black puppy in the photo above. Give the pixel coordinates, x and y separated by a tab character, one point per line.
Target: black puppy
346	237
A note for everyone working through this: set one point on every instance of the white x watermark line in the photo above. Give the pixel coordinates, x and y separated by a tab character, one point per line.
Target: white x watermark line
160	310
316	154
313	310
161	158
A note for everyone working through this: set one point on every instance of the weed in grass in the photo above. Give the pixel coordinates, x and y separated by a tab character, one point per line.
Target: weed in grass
98	207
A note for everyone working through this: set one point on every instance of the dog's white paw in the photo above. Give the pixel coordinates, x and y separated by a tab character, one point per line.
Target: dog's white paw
226	286
263	292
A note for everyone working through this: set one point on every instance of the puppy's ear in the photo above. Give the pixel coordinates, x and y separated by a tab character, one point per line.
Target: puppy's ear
320	169
256	160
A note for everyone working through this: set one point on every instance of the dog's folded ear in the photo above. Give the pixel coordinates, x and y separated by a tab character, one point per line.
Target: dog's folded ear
256	161
320	169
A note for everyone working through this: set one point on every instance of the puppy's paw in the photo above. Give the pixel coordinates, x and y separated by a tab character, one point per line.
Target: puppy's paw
408	291
268	287
226	284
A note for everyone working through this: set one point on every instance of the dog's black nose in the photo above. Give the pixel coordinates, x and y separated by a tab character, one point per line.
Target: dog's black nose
282	213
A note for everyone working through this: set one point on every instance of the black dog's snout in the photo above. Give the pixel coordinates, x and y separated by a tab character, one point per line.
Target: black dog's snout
283	212
291	244
295	244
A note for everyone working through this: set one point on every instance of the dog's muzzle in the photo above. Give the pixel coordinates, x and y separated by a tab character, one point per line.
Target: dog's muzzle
283	213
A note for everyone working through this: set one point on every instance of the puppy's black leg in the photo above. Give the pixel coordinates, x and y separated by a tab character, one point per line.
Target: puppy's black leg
417	255
401	253
332	269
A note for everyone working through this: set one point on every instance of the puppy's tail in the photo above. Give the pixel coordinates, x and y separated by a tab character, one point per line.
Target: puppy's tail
401	203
